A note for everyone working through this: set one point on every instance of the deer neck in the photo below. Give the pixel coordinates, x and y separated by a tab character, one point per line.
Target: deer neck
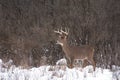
66	48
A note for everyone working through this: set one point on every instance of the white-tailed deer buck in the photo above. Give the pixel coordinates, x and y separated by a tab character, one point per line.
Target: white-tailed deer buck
85	52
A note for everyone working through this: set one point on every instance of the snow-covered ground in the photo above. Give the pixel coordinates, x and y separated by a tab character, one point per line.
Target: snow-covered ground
58	72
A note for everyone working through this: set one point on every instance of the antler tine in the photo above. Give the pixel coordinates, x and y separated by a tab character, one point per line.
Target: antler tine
58	32
65	32
66	29
61	29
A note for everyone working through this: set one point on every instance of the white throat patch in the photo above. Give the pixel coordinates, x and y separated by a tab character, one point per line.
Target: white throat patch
59	43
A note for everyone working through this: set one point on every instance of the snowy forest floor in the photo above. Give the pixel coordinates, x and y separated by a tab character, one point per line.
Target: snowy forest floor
57	73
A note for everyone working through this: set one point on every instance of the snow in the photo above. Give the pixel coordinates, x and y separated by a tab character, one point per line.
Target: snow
57	72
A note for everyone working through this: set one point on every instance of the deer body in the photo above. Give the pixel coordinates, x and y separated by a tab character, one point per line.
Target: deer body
84	52
75	51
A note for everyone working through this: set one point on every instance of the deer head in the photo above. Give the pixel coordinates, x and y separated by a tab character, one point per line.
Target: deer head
62	36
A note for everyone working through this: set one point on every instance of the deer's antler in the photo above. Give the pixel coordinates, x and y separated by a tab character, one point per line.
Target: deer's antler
65	32
58	32
62	32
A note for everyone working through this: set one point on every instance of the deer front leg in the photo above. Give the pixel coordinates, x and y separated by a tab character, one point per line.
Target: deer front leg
70	62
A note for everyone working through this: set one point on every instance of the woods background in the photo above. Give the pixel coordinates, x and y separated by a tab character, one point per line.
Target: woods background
27	37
